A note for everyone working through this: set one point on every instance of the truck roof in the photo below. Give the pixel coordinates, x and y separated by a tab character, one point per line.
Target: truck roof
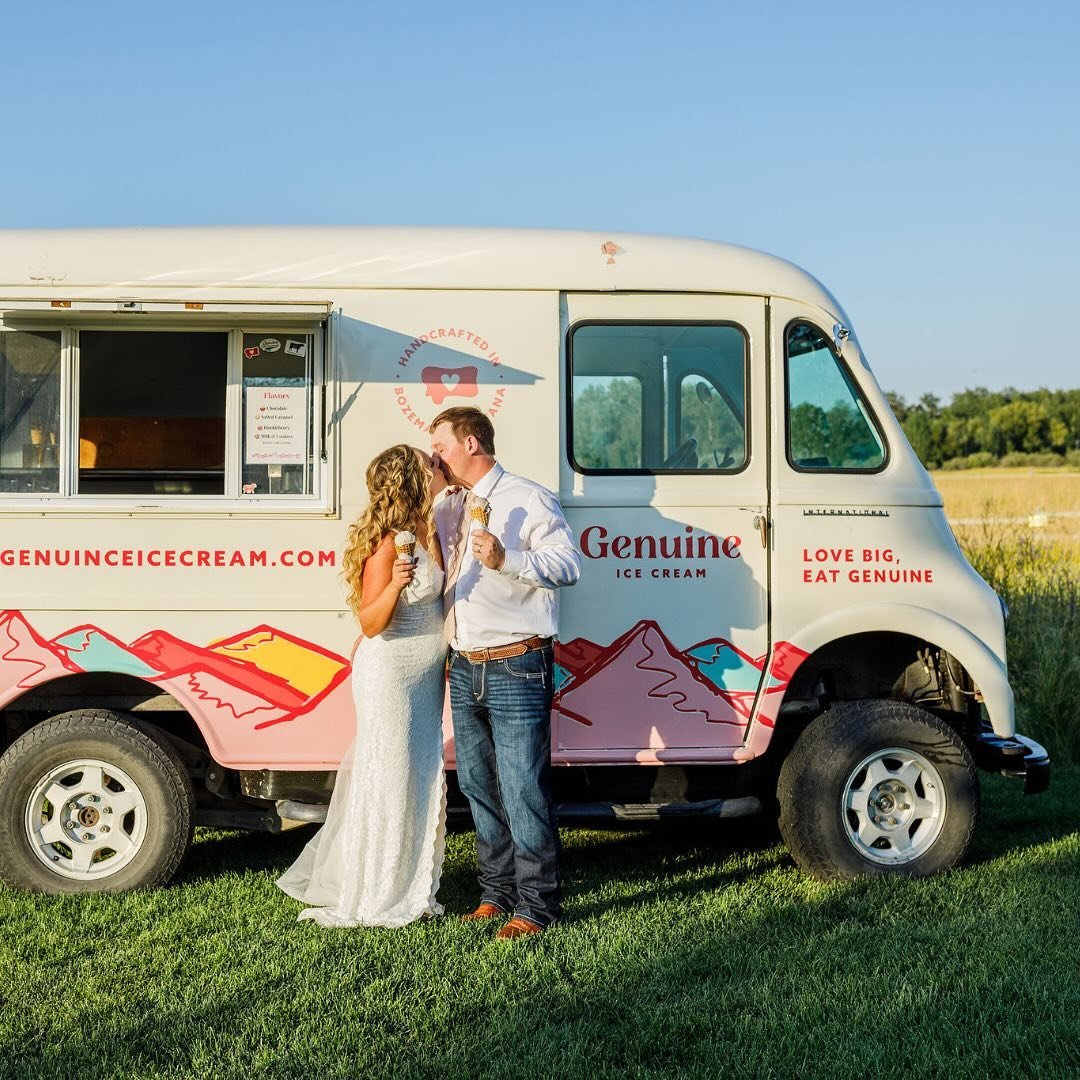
325	258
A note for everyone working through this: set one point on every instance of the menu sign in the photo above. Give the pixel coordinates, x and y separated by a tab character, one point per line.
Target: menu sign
275	425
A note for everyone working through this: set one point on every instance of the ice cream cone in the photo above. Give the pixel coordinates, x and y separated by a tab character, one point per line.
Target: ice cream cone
480	512
405	543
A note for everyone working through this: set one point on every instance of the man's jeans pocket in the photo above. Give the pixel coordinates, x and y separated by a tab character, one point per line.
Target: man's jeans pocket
533	665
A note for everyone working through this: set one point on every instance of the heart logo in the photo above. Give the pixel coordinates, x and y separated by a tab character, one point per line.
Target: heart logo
441	383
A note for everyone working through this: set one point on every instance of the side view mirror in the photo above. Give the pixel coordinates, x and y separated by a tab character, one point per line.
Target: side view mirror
840	334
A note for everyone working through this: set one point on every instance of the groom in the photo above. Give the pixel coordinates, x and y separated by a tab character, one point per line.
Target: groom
507	550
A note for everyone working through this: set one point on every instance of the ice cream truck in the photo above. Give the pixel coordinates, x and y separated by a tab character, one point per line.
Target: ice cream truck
773	615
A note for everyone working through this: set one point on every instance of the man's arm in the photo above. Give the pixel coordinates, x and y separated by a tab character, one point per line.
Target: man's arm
550	558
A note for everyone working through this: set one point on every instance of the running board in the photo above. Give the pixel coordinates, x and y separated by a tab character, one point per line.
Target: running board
744	806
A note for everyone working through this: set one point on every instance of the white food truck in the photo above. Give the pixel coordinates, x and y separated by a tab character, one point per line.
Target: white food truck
773	614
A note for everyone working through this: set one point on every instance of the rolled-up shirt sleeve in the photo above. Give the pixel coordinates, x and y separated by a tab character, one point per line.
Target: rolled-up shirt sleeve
549	558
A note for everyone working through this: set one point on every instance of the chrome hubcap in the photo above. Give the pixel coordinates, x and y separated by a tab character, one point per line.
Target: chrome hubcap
85	819
893	806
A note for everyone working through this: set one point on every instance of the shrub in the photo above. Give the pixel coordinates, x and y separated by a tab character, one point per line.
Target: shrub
981	460
1041	585
1018	459
1072	459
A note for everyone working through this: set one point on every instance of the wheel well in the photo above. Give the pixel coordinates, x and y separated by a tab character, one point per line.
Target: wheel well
881	665
104	690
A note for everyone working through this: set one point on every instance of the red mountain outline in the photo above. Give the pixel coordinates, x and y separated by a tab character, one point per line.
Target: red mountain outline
604	675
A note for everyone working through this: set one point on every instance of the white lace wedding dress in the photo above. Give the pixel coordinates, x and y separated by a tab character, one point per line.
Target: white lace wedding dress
377	859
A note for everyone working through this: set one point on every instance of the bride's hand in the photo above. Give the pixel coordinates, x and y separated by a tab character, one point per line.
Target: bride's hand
402	573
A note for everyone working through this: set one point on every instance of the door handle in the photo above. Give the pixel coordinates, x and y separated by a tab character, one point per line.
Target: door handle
761	523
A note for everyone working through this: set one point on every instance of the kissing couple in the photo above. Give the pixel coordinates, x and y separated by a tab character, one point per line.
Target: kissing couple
490	557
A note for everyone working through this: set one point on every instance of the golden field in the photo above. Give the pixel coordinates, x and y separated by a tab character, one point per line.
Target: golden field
1042	504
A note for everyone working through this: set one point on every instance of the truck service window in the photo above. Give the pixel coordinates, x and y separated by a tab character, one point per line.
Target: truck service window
226	413
152	412
277	414
829	425
29	411
658	397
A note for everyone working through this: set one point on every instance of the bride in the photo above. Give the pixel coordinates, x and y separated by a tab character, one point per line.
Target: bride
377	859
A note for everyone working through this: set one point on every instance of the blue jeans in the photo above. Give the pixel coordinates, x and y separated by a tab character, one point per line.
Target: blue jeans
502	737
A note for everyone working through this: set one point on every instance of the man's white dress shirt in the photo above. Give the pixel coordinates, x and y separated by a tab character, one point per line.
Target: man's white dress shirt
496	607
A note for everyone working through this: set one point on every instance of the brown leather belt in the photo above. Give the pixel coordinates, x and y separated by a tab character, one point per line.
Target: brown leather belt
504	652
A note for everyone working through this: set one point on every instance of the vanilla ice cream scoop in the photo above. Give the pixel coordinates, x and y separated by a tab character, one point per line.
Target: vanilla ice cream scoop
405	542
480	512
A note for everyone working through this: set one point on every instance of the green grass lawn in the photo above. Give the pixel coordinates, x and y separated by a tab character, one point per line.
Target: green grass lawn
692	951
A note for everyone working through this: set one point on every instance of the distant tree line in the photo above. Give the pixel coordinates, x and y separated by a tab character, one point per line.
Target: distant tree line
980	428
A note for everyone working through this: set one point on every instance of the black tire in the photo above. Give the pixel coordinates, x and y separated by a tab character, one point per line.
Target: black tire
829	839
158	777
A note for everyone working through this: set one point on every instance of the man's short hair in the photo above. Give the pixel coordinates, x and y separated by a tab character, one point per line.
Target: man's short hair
468	420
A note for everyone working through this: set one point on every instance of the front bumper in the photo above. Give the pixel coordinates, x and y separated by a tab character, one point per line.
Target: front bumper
1019	757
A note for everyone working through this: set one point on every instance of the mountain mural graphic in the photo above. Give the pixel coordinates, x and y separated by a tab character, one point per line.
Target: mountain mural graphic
263	676
654	691
639	691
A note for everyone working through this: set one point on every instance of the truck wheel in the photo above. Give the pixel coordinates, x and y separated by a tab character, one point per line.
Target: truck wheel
877	787
92	802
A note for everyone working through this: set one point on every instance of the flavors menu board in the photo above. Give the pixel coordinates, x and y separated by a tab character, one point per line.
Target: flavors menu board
275	425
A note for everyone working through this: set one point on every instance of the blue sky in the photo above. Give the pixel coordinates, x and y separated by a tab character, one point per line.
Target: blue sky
922	159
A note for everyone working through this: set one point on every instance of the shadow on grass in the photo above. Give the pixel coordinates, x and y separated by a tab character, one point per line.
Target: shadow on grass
783	981
641	858
217	852
684	952
1012	822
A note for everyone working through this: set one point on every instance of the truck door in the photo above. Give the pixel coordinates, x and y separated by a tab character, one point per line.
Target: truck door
664	641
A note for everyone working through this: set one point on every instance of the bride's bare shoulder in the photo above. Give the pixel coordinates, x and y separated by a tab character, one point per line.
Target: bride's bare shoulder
385	552
386	543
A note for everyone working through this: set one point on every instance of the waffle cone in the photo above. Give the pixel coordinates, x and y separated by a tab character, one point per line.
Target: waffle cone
405	543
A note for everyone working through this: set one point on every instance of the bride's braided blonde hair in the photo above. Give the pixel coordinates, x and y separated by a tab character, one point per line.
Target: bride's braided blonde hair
399	483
